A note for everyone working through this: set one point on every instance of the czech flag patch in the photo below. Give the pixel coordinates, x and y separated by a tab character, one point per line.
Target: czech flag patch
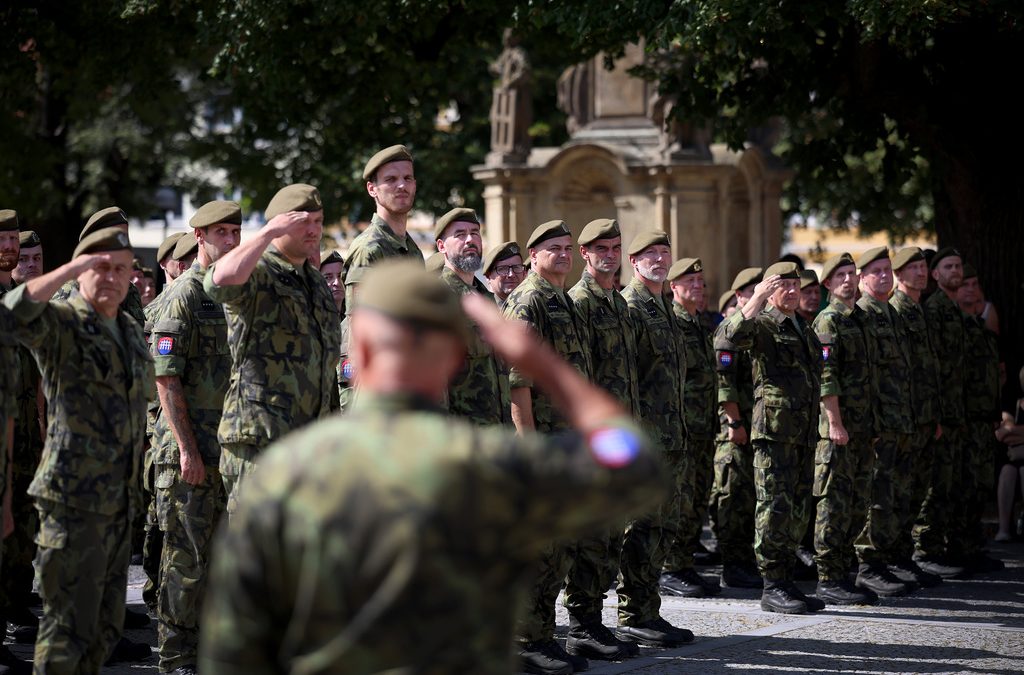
725	358
614	448
164	345
826	350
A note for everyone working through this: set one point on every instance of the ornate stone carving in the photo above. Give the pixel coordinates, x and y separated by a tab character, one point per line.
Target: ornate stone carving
512	106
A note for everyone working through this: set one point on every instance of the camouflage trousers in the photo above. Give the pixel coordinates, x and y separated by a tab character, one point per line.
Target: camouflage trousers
595	564
922	451
537	616
842	483
936	518
693	488
640	567
19	547
975	482
782	486
82	570
733	494
152	538
188	517
237	461
678	515
891	481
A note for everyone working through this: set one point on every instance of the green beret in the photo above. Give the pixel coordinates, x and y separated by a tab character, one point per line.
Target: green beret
330	256
808	278
969	271
724	299
187	245
871	255
100	241
166	247
835	262
684	266
396	153
747	277
548	230
460	214
785	270
29	239
8	220
496	254
906	256
435	263
645	240
602	228
148	272
212	213
408	293
945	252
297	197
112	216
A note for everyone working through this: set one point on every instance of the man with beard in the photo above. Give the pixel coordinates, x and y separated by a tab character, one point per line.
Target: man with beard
283	332
30	259
542	303
193	364
391	183
660	368
504	270
479	391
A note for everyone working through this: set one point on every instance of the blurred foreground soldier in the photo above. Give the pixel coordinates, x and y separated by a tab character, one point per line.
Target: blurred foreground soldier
282	329
332	267
96	372
396	513
435	263
787	370
612	346
542	303
479	392
30	259
193	366
911	272
391	183
846	428
660	368
504	270
810	295
700	410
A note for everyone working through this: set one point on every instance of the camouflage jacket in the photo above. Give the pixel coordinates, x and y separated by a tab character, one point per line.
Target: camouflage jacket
735	379
981	371
893	411
946	328
28	439
700	398
397	539
786	358
660	366
924	385
377	242
611	338
551	313
190	342
849	367
96	399
284	336
480	391
10	368
131	305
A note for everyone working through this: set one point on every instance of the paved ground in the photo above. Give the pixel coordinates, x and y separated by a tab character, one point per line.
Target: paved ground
970	626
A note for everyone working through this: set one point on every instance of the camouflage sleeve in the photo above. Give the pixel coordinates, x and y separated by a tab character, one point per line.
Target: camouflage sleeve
944	341
231	295
739	330
34	324
10	367
172	335
726	368
521	311
825	329
359	261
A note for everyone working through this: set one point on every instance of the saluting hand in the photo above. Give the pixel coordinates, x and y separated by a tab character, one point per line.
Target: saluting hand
283	223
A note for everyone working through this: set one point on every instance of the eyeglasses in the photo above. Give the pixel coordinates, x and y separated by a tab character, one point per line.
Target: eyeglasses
505	270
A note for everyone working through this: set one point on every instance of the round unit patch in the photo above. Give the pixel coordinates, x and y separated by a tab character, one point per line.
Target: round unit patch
164	345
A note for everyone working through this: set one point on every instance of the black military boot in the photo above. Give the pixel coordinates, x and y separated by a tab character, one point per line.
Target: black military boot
940	567
135	620
705	557
777	597
592	640
877	578
687	584
9	663
813	603
909	572
981	563
127	651
543	657
22	626
655	633
842	592
736	576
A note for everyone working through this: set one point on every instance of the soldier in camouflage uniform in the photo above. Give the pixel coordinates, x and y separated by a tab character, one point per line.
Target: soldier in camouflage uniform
542	303
283	331
733	490
612	346
846	429
660	368
332	267
480	391
504	270
397	513
686	279
193	365
96	372
891	479
786	359
911	271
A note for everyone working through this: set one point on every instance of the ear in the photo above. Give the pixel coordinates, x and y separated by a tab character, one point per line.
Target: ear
371	189
440	245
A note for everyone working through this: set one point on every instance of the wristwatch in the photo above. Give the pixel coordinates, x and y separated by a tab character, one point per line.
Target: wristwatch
735	425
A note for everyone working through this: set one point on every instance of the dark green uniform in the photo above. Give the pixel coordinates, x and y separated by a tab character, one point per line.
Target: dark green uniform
190	343
96	377
377	242
661	369
10	365
786	359
131	305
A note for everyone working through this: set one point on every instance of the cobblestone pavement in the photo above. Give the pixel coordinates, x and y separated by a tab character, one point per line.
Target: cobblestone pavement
970	626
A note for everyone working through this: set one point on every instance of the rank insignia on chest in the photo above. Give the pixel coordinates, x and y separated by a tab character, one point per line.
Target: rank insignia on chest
651	311
347	369
826	351
725	359
164	345
209	306
553	305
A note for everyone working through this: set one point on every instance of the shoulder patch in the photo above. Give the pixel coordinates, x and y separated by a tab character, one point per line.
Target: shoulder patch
164	345
167	326
614	448
725	358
